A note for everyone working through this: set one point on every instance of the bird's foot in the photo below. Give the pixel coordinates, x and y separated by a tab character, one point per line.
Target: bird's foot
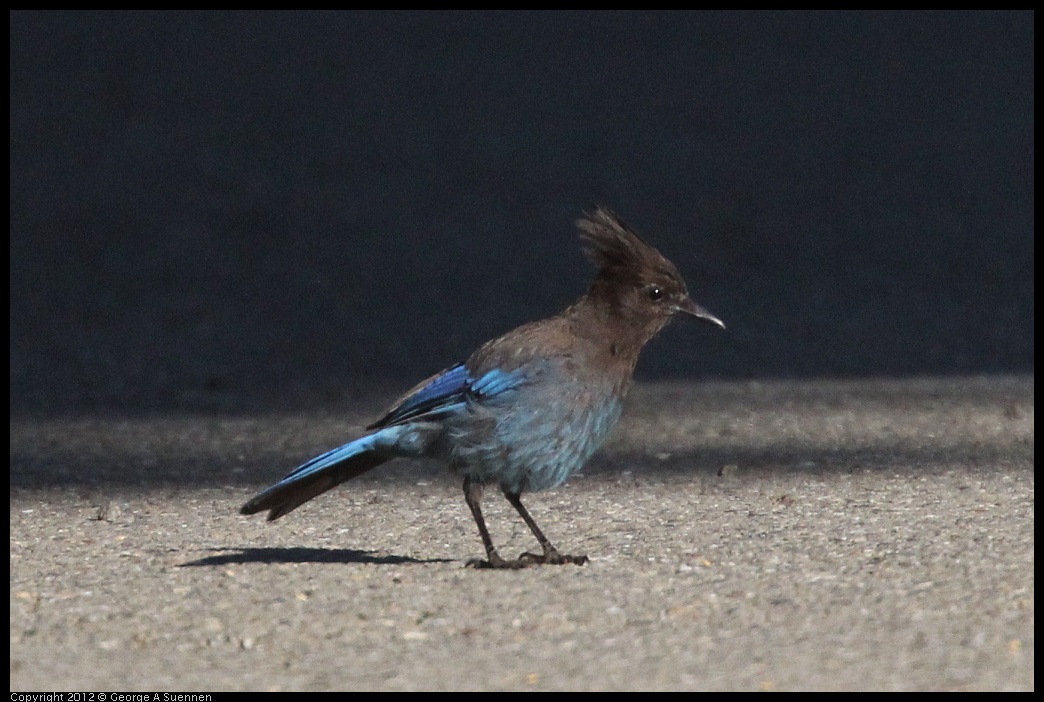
525	560
551	557
494	562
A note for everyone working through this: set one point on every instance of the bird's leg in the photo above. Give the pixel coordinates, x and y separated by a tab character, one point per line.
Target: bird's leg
472	495
551	554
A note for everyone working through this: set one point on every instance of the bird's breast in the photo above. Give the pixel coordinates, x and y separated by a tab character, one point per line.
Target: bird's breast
536	437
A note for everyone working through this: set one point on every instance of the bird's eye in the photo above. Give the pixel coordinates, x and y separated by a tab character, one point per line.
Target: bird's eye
655	292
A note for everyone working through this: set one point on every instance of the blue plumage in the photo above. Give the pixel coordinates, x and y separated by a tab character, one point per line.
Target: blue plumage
528	408
443	392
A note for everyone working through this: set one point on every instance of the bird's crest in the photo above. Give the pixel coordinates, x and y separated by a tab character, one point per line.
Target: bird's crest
615	249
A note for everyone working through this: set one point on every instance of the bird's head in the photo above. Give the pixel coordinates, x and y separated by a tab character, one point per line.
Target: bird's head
636	281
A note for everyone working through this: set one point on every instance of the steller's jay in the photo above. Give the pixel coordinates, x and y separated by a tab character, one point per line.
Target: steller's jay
528	408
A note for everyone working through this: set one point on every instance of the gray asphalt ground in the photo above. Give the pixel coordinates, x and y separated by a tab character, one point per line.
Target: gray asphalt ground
834	535
235	237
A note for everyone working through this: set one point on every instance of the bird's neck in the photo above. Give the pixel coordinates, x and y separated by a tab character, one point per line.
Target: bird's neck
601	322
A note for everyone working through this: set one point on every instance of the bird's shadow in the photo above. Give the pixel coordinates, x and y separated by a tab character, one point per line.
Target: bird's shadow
306	555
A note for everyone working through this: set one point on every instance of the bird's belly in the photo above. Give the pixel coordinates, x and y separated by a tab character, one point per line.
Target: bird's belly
533	445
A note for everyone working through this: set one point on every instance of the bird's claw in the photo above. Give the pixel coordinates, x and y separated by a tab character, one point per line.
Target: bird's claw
551	557
525	560
495	562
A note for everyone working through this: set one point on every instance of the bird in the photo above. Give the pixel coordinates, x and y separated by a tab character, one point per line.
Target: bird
529	408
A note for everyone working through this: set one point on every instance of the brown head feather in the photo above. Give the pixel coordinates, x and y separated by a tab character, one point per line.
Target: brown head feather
618	252
636	291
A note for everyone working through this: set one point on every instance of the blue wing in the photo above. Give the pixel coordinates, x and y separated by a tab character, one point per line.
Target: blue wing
446	392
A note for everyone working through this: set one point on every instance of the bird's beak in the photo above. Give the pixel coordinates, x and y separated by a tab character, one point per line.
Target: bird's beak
690	308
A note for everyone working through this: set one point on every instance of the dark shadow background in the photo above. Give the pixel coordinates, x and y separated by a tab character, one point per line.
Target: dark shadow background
269	212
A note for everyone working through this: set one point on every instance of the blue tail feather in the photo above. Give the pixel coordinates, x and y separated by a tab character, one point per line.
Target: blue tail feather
317	476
